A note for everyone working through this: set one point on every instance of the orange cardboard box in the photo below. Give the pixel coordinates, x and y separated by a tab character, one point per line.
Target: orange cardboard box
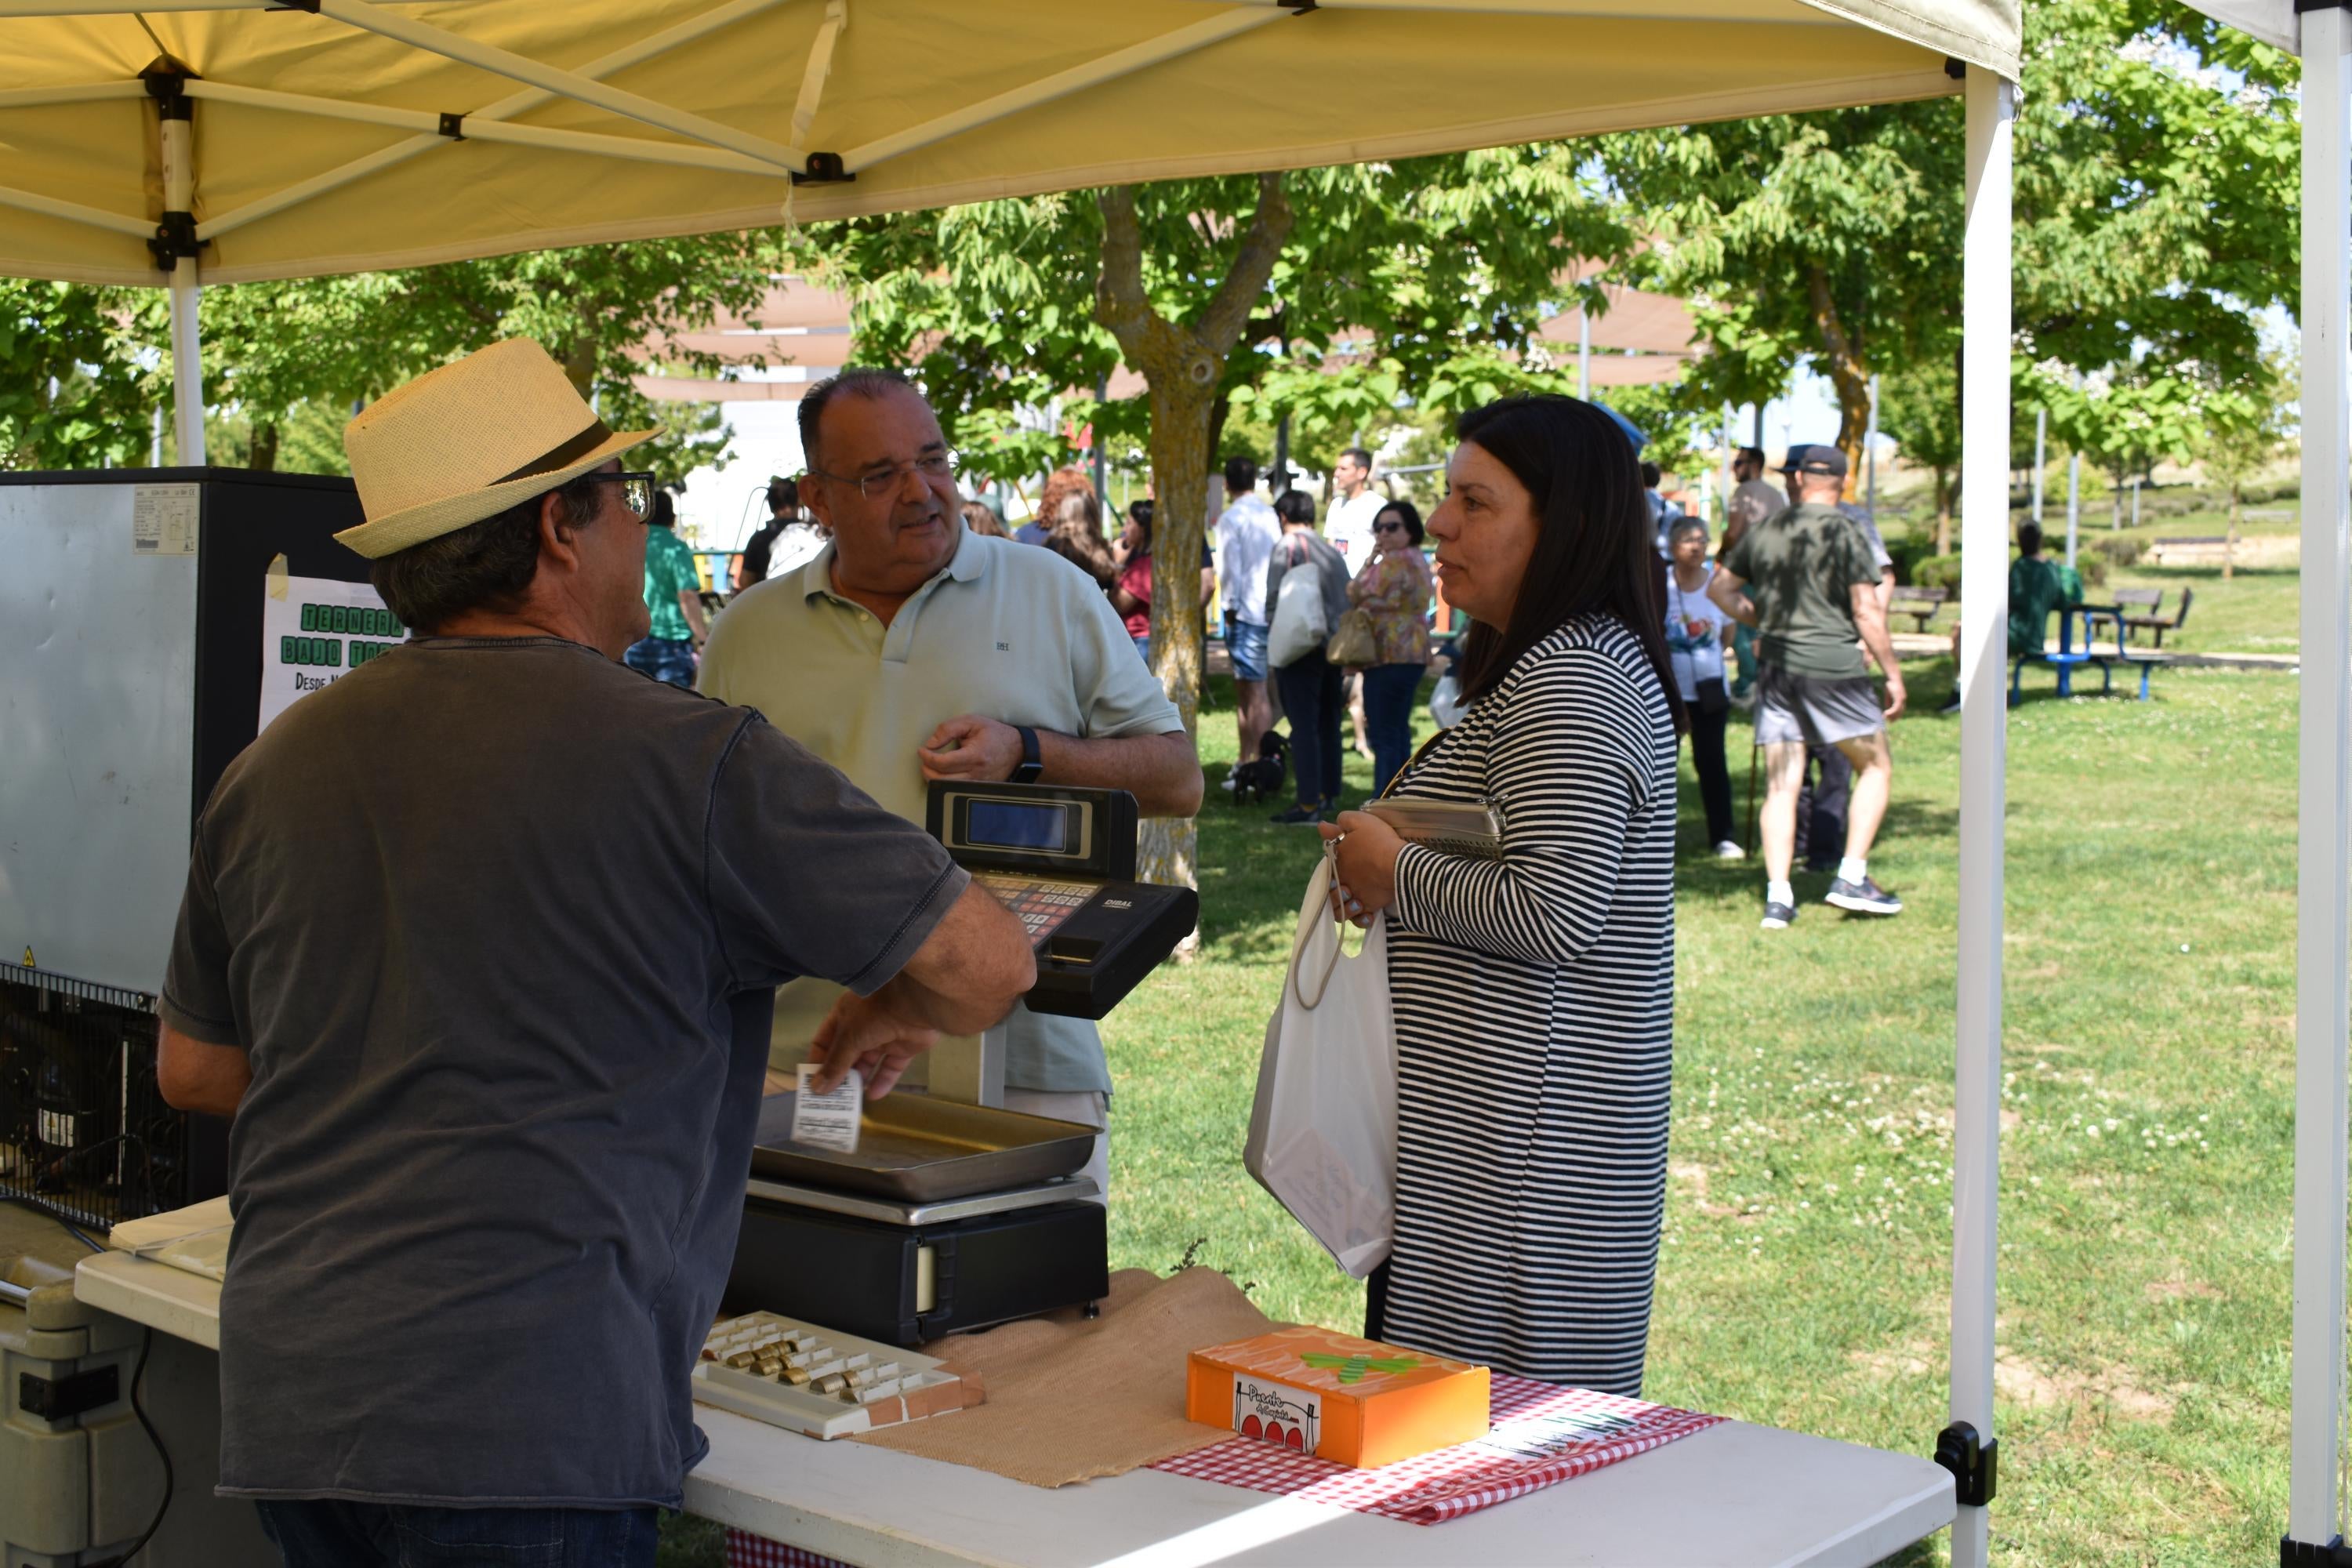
1339	1398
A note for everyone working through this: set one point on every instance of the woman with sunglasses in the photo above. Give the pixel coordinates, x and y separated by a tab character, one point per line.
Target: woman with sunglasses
1394	589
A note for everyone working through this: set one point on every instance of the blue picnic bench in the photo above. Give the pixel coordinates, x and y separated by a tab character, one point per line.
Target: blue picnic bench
2067	656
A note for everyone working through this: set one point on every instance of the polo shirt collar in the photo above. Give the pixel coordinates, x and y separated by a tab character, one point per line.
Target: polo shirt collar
968	565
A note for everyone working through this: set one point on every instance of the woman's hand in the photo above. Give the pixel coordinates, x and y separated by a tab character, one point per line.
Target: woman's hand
1364	852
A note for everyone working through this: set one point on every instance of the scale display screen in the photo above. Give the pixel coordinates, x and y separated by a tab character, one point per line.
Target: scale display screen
1009	825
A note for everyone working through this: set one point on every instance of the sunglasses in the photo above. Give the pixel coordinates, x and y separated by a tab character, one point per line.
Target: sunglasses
637	491
1389	528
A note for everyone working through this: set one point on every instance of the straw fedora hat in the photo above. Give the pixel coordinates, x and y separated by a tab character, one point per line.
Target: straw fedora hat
467	441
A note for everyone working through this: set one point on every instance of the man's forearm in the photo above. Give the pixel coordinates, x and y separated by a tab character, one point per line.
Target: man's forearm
1160	771
916	1002
690	603
1876	643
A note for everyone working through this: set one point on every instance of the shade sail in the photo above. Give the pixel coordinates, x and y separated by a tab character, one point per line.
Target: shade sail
338	135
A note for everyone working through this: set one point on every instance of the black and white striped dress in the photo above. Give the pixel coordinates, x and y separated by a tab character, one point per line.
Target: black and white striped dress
1534	1002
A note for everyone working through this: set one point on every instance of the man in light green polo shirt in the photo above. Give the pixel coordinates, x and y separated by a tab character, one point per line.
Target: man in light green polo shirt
913	649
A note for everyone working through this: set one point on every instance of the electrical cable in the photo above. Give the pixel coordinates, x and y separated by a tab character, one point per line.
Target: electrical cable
164	1506
39	1207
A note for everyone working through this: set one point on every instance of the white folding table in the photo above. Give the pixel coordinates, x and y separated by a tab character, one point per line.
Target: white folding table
1735	1496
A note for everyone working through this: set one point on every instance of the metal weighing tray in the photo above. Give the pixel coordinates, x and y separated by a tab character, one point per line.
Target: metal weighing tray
920	1149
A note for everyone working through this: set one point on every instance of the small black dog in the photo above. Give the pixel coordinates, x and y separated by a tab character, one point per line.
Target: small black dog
1263	779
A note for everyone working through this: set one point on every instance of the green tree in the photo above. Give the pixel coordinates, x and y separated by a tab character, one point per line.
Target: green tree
2155	216
1919	406
74	392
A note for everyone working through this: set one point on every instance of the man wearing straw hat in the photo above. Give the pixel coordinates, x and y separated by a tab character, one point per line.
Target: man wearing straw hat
479	947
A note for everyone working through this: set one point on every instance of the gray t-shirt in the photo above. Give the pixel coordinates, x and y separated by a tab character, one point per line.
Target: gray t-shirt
498	922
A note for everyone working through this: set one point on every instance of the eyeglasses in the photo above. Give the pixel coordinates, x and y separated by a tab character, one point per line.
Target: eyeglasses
883	481
1389	528
637	491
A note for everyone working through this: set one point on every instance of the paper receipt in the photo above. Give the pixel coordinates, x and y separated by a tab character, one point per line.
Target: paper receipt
828	1121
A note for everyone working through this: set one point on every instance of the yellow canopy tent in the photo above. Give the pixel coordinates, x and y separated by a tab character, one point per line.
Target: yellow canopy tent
187	140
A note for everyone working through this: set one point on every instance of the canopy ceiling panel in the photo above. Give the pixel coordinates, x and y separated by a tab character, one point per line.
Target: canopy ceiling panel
319	142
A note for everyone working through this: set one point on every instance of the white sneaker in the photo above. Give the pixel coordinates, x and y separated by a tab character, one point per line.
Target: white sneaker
1727	850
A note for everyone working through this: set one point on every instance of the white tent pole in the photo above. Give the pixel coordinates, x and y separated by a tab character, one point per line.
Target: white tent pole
567	84
514	103
634	148
2323	808
1984	738
74	212
1109	68
187	348
89	92
1583	352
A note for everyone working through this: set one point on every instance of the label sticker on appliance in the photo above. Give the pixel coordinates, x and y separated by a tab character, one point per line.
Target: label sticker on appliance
1274	1412
164	520
828	1121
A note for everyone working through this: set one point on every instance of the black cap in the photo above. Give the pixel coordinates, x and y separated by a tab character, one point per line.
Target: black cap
1813	458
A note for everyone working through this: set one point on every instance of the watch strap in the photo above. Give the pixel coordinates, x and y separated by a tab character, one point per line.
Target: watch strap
1033	761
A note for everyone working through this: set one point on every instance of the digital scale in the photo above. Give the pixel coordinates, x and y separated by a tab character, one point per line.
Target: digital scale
1063	860
949	1215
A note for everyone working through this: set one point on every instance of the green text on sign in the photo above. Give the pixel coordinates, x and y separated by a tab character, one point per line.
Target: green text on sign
356	620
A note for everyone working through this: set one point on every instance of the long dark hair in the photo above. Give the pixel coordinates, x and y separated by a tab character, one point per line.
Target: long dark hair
1594	550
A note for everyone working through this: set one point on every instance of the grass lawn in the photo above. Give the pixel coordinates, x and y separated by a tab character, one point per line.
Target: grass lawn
1805	1275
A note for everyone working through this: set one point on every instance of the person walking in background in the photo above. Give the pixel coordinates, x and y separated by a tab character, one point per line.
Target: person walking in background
1309	683
1393	589
1533	995
1817	599
1829	776
674	597
1354	505
1246	532
1697	632
1075	535
981	518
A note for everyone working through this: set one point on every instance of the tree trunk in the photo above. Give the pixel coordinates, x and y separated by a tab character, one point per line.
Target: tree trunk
262	454
2116	501
1182	366
1943	511
1841	357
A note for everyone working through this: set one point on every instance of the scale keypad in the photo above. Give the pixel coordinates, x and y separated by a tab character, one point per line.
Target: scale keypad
1042	904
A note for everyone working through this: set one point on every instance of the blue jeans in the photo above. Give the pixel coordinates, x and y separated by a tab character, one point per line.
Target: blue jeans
1388	717
1247	646
327	1533
663	659
1312	698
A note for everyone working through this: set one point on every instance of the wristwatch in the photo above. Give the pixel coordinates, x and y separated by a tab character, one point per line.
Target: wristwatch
1032	763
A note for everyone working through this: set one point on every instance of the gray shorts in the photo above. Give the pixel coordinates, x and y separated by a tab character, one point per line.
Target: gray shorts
1815	710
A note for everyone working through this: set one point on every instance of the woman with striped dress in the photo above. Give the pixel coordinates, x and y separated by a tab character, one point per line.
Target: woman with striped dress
1533	995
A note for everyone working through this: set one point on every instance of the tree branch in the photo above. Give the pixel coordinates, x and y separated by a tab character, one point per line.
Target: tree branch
1120	300
1227	312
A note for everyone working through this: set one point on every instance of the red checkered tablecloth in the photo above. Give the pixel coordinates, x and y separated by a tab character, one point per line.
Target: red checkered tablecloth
745	1550
1542	1435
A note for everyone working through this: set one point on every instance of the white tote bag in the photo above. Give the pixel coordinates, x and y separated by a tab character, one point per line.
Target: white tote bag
1322	1134
1302	623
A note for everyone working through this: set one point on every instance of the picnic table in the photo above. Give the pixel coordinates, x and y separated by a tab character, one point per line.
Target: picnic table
1919	604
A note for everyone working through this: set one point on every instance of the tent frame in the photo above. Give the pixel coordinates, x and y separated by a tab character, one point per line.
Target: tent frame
2322	1015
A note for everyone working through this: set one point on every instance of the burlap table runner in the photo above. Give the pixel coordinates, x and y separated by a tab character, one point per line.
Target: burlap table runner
1070	1399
